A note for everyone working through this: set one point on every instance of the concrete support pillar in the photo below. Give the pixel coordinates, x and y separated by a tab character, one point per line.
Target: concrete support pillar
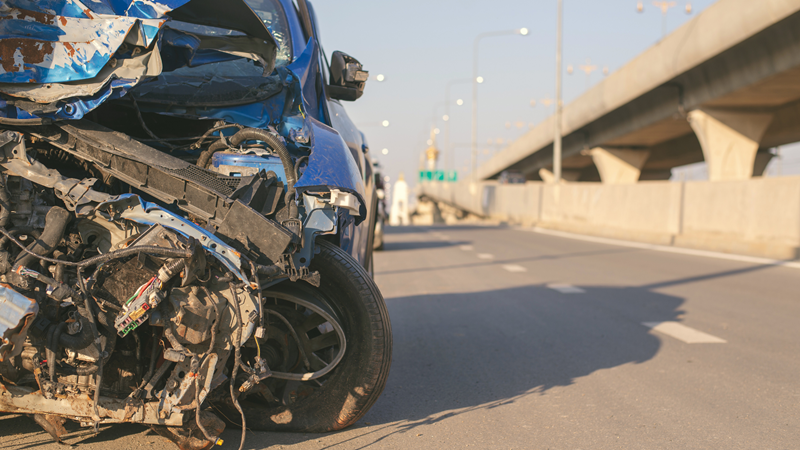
730	140
566	175
762	160
619	166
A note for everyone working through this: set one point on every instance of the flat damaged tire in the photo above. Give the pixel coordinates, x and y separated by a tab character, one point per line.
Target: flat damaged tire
355	384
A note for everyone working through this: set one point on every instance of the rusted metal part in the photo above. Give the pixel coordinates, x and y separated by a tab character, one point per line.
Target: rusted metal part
191	437
22	400
54	425
183	396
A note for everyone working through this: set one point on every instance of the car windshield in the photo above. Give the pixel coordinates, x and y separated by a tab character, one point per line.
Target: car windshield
239	80
270	12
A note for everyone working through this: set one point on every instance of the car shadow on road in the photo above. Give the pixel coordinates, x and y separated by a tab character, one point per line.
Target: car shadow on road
456	353
419	245
26	434
477	350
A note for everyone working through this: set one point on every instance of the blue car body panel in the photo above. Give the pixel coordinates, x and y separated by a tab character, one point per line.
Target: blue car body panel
52	42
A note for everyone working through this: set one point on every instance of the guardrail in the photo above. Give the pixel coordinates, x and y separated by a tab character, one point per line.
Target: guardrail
759	217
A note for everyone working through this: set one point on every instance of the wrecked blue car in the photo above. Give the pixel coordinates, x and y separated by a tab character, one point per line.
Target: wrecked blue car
186	220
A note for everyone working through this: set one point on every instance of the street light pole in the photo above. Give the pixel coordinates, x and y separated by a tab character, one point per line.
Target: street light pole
664	6
448	155
557	137
477	80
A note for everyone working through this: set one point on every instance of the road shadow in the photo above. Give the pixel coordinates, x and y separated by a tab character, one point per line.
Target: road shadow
419	245
21	433
410	229
455	353
553	256
474	350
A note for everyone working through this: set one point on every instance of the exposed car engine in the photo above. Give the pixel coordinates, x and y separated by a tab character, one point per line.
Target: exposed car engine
106	296
186	221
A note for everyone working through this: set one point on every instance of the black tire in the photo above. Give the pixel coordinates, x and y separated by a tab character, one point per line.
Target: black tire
351	389
378	240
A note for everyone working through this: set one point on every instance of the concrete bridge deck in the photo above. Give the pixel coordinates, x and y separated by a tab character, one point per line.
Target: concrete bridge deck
723	88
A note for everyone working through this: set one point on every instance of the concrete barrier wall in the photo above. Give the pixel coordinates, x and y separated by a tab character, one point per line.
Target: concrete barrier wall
757	217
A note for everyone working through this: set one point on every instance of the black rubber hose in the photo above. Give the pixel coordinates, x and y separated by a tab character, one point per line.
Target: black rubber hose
208	133
5	203
205	158
255	134
52	348
55	223
77	341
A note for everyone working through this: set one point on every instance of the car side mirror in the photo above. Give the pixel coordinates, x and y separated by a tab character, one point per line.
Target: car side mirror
347	77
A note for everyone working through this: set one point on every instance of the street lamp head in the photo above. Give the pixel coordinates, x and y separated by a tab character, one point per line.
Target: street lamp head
436	131
688	8
385	151
523	31
459	102
639	7
385	123
445	117
380	77
479	80
570	69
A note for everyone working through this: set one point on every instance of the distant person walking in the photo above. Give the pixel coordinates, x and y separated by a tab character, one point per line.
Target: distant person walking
399	213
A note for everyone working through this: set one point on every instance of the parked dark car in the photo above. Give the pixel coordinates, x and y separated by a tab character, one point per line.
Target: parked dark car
187	218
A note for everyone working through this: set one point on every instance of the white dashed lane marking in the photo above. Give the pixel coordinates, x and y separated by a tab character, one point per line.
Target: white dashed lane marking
565	288
514	268
466	248
485	256
683	333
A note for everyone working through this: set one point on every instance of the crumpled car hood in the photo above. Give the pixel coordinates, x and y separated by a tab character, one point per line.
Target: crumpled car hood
93	51
58	41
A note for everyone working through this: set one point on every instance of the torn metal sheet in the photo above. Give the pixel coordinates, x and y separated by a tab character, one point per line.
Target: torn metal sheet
125	73
37	47
132	207
16	314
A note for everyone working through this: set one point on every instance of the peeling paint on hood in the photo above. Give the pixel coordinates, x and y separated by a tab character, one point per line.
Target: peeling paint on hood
57	41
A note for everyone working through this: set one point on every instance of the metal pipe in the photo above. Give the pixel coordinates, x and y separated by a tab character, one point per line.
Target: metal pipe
449	157
475	47
557	136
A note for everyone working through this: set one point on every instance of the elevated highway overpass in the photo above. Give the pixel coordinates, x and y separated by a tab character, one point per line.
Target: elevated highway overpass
724	88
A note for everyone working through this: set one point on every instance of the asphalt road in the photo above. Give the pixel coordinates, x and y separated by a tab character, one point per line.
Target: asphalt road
507	339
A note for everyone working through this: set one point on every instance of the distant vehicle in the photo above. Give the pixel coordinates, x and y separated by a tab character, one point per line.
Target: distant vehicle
380	211
511	177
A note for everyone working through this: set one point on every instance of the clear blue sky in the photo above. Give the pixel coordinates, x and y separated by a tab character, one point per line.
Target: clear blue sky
420	45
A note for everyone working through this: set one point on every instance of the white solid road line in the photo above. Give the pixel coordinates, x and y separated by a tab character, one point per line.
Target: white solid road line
485	256
566	288
683	333
467	248
668	249
514	268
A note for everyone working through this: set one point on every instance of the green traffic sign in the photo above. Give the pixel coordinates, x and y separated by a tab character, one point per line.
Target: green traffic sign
438	175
